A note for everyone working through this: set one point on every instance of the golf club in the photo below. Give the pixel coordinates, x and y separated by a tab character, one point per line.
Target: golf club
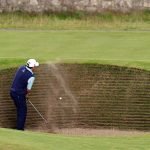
37	111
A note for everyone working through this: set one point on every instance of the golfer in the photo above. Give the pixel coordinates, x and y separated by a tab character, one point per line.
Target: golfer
20	89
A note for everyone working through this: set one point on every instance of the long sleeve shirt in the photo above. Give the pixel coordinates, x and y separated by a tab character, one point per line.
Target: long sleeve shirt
30	80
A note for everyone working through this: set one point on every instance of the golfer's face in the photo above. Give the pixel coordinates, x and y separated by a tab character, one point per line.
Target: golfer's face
33	69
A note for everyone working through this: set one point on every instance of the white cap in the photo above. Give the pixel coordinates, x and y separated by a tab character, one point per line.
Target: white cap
32	63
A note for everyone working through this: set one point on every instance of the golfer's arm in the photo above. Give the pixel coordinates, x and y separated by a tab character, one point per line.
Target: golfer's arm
30	84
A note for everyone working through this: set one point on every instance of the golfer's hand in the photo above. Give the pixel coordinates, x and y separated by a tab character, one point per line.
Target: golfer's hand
27	96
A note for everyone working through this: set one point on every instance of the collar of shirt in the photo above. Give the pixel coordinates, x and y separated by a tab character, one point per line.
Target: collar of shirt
29	69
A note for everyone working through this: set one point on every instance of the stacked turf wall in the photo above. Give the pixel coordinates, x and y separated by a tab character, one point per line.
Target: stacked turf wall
93	96
72	5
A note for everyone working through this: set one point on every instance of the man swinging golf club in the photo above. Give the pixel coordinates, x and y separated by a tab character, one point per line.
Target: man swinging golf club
20	88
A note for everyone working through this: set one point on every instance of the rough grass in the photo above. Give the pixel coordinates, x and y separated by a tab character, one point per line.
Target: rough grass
15	140
104	21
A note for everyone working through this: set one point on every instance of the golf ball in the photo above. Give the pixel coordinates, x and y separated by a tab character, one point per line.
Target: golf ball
60	98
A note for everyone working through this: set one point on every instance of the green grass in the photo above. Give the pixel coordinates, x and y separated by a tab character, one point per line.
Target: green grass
90	40
15	140
104	21
118	47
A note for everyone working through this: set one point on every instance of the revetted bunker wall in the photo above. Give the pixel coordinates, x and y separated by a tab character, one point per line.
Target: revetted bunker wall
93	96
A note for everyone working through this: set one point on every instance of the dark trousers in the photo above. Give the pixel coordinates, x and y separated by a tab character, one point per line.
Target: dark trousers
21	107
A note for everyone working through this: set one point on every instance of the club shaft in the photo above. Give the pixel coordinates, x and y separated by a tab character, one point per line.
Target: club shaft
37	111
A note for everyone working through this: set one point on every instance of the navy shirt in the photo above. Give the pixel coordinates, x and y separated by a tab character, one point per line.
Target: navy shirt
20	81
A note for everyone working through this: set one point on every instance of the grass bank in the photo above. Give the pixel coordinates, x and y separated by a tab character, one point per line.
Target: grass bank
77	21
117	48
15	140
